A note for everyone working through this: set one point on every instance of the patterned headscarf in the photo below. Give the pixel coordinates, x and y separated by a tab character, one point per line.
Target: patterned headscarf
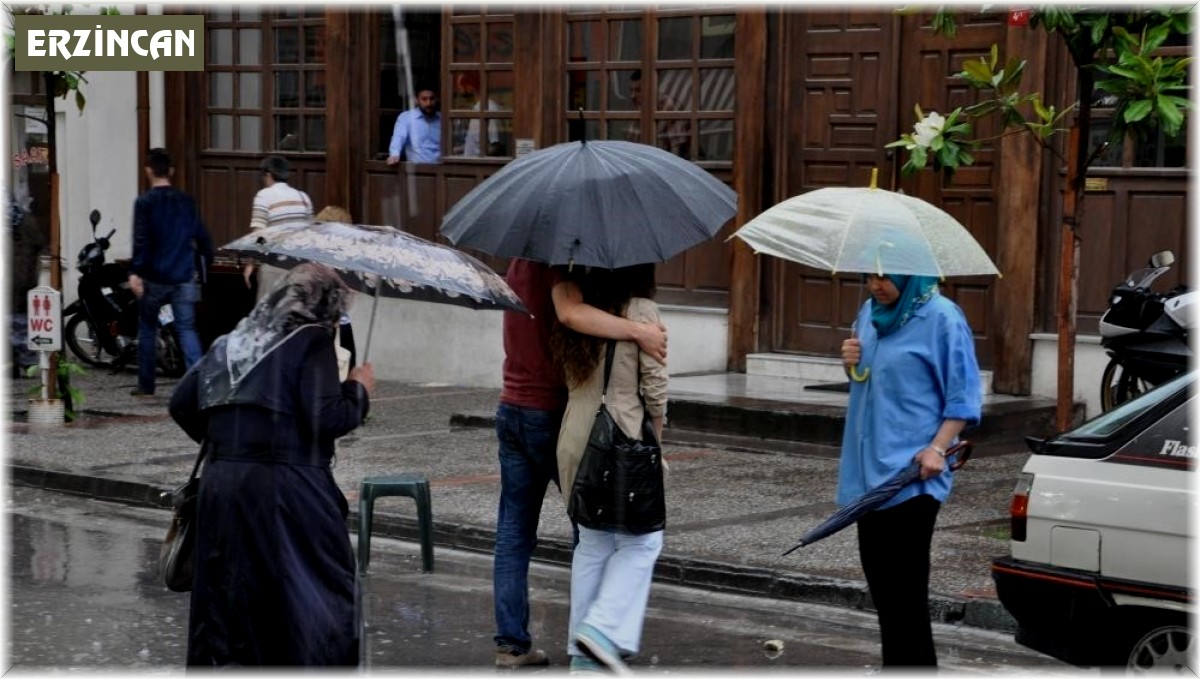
915	291
311	295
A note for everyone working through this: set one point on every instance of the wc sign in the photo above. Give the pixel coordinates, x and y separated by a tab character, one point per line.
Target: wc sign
44	314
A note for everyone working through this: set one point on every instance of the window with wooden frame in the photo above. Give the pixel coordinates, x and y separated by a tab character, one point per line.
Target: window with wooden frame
1157	150
266	79
422	28
663	77
481	82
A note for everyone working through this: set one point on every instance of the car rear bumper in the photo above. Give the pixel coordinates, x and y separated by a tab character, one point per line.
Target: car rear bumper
1065	612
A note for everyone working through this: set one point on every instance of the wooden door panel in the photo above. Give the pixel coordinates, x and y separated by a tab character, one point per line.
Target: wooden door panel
840	93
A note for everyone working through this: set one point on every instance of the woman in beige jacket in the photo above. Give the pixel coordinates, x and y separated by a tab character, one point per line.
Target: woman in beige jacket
610	571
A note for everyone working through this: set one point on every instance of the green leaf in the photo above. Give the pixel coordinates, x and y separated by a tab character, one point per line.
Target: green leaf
918	157
1137	110
995	56
1099	28
898	142
977	71
80	102
1169	113
1156	37
1040	110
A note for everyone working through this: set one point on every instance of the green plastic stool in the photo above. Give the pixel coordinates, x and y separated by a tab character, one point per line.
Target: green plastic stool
415	486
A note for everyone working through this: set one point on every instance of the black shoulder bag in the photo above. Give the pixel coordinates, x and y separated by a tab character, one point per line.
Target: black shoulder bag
176	559
619	484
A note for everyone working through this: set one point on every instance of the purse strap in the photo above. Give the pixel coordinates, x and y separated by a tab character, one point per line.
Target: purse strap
609	353
199	458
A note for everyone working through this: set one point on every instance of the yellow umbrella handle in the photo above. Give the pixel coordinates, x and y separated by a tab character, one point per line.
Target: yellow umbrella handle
853	371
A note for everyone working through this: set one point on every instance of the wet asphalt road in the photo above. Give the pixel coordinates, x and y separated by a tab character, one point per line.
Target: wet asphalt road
84	595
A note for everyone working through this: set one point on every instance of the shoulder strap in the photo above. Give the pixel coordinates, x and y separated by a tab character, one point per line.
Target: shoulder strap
200	457
608	361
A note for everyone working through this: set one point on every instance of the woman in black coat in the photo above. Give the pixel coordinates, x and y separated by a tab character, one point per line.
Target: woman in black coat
274	574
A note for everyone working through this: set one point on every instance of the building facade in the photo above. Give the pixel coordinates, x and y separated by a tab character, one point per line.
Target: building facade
774	102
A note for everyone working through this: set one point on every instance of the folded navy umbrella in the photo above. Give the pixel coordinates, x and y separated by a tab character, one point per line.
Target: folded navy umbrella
877	496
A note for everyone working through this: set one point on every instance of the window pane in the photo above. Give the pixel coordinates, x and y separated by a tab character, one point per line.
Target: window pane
624	130
220	132
584	90
499	10
675	38
625	40
466	10
221	13
249	13
500	90
221	51
1112	156
249	46
314	89
287	133
674	136
314	44
458	134
500	43
674	90
287	45
717	89
716	140
466	44
249	133
620	94
586	41
466	91
250	91
220	90
1160	151
500	138
314	133
287	89
716	37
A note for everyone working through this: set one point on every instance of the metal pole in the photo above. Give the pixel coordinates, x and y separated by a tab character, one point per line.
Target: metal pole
371	325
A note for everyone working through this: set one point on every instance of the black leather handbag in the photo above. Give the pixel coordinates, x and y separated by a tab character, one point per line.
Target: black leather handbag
619	484
176	558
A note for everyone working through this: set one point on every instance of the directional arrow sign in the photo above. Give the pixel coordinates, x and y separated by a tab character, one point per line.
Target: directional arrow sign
44	319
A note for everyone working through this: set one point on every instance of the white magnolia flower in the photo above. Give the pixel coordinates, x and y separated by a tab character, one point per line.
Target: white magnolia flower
925	131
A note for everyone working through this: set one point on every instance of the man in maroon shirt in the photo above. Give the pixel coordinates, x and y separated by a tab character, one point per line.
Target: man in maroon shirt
527	421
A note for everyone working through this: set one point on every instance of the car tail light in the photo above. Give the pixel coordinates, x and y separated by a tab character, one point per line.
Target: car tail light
1018	509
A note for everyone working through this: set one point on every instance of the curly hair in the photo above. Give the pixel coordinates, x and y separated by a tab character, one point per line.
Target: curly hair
608	290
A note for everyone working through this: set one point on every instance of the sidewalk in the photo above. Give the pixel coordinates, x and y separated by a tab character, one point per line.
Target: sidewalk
731	513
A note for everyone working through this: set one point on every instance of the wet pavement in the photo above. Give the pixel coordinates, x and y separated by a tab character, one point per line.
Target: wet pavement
84	596
731	511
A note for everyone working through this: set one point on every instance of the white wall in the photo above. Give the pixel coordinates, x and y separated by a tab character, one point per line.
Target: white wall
1090	360
423	342
97	167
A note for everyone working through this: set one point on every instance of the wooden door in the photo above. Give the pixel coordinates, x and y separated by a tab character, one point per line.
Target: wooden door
852	79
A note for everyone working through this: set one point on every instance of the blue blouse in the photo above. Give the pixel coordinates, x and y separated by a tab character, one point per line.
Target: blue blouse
922	374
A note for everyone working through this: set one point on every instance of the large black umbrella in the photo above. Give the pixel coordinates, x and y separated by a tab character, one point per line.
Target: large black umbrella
878	495
609	204
383	261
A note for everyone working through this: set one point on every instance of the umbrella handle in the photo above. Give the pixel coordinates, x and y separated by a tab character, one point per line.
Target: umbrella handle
963	450
371	325
853	371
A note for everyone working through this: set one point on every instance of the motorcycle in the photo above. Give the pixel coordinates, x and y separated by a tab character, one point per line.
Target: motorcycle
1145	333
102	325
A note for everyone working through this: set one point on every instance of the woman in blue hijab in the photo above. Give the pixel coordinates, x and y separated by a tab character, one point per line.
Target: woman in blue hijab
914	386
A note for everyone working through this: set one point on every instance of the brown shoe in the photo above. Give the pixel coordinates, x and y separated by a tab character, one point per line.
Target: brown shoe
507	658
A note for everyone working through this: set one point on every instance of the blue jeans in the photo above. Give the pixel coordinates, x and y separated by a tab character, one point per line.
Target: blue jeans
182	297
528	463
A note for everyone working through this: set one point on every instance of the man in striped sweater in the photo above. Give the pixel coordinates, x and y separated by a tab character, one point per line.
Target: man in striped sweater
274	205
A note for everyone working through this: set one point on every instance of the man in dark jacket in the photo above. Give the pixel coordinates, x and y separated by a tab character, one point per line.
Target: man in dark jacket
167	235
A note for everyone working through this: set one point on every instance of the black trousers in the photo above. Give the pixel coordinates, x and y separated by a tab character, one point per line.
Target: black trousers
893	545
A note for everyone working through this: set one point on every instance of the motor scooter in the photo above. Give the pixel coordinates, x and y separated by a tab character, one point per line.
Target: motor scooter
101	325
1145	333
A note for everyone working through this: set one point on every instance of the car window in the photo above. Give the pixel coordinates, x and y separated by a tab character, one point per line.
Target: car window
1113	421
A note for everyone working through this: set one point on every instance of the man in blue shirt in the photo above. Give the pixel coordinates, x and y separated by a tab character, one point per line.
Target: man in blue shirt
167	236
418	132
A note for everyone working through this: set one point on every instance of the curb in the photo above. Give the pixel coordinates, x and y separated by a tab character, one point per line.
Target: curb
986	614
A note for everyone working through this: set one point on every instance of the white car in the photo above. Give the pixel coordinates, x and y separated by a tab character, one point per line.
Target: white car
1101	537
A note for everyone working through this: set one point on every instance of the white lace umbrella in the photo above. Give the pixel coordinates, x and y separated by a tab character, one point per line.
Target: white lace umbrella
867	230
382	260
